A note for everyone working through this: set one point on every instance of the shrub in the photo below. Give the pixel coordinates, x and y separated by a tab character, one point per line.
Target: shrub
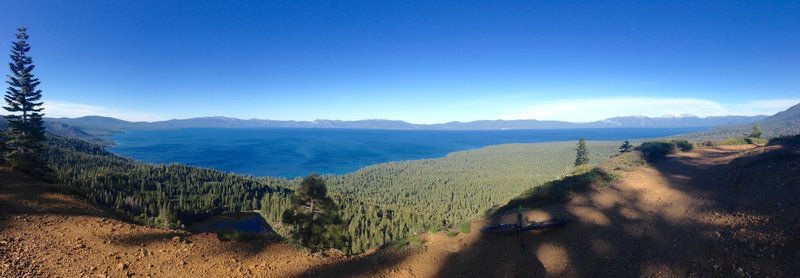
411	241
734	141
626	147
582	169
415	240
757	141
435	229
464	227
683	144
400	243
657	149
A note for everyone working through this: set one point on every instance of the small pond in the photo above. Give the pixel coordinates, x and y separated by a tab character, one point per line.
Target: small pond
243	222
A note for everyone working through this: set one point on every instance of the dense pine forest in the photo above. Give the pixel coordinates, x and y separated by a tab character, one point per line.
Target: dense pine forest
439	193
379	204
158	194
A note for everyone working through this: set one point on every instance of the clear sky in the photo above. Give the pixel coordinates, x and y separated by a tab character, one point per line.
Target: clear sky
417	61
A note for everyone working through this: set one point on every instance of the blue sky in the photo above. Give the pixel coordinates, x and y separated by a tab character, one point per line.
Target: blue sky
418	61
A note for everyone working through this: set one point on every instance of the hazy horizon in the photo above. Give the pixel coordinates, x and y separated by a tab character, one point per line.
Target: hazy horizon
377	119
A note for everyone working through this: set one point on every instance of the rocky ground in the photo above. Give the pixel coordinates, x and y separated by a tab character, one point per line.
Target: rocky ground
725	212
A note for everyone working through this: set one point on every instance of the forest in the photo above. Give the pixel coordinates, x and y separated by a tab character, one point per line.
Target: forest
379	204
434	194
157	195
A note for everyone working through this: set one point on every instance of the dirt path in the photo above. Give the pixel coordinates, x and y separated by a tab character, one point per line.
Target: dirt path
697	214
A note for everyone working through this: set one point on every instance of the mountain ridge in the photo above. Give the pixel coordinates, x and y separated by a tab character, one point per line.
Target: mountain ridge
98	129
784	123
113	124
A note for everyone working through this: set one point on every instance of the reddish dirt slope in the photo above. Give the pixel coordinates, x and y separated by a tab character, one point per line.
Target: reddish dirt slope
711	212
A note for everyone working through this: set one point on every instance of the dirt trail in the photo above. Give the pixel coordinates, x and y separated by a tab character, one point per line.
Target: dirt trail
695	214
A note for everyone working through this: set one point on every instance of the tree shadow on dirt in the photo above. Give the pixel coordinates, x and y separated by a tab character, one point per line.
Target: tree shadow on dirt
495	255
584	248
243	248
146	238
22	197
368	265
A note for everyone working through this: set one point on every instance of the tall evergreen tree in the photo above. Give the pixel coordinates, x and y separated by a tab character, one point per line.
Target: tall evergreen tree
167	217
756	133
25	132
314	216
582	153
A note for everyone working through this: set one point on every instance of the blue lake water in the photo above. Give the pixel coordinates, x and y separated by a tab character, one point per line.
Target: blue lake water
292	152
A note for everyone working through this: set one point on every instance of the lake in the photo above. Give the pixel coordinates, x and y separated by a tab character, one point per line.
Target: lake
292	152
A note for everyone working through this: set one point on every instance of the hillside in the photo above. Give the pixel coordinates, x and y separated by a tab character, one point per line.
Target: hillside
99	126
713	212
784	123
61	128
380	203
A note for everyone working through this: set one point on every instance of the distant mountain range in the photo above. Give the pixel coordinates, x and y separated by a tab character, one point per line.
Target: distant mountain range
91	123
99	129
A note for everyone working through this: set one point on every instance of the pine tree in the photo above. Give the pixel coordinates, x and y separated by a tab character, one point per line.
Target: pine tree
626	147
26	136
167	218
582	154
756	133
314	216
